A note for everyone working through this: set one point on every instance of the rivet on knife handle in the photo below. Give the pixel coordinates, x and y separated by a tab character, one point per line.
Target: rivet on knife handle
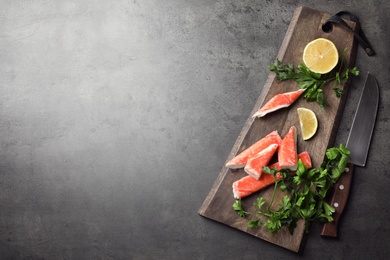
338	200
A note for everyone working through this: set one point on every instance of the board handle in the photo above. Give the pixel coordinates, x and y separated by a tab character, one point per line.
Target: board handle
338	200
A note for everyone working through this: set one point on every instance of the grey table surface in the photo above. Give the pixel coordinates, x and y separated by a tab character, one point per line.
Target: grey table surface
117	116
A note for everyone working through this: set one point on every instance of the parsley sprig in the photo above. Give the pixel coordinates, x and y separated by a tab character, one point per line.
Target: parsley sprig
307	192
314	82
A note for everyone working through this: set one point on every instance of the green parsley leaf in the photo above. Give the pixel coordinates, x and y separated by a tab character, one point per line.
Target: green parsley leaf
329	210
254	223
344	150
338	91
259	202
332	153
268	170
354	71
301	169
237	206
342	163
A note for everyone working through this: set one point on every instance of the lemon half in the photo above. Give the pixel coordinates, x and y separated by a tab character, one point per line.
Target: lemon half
321	55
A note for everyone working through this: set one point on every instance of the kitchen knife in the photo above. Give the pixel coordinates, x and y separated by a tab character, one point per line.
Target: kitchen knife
358	143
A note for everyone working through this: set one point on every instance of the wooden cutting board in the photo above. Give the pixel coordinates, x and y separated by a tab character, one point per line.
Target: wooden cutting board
305	26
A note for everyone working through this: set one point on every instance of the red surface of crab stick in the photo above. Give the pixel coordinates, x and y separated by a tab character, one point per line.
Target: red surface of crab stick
241	159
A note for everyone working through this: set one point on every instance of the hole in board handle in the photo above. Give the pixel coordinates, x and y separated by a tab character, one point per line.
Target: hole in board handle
327	27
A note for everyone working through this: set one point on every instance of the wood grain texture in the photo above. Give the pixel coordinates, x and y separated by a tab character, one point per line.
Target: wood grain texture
305	26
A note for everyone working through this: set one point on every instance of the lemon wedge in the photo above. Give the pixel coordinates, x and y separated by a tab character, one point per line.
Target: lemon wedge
320	55
308	122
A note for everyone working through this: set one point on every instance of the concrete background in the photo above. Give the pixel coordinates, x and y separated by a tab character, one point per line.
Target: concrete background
116	118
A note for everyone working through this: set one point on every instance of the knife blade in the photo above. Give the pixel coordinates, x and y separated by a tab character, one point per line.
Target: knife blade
358	143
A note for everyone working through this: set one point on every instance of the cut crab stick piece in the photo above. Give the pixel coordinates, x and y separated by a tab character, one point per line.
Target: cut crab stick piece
287	154
254	166
241	159
278	101
249	185
305	158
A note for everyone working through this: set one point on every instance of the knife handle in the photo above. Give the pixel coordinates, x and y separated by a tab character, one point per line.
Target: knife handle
338	200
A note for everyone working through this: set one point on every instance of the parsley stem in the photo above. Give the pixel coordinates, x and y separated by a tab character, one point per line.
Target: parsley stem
264	213
273	194
342	60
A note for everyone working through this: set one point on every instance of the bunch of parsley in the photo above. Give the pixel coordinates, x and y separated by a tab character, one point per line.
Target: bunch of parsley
311	81
307	191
